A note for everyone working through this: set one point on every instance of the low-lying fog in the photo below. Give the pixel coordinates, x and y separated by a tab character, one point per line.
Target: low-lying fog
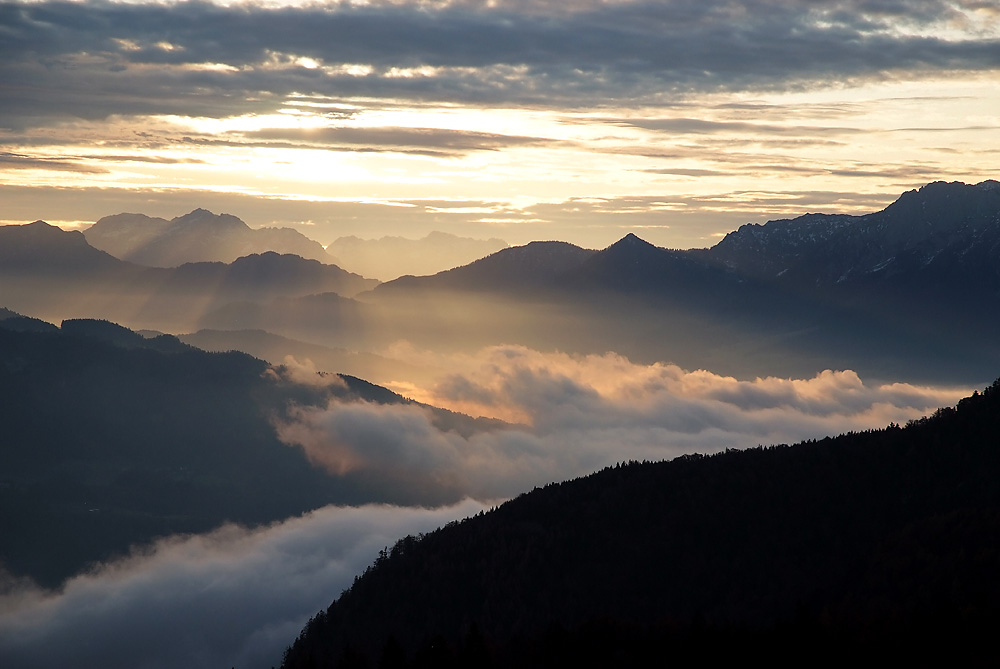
238	597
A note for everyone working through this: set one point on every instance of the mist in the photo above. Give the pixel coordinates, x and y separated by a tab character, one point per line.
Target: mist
571	415
237	597
234	597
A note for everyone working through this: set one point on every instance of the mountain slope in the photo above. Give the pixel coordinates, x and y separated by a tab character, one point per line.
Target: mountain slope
42	248
55	274
850	544
276	349
911	292
519	268
198	236
923	231
112	440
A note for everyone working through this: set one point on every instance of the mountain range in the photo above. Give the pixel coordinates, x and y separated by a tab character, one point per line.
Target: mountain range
915	285
55	274
940	231
910	292
199	236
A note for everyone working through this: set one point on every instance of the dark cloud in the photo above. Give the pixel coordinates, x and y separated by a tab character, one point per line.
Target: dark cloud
19	161
438	141
704	127
234	597
196	58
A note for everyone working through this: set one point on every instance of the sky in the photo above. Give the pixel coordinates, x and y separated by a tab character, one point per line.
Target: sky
582	120
678	120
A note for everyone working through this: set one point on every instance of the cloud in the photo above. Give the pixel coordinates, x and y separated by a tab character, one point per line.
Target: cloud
304	373
432	141
234	597
201	59
577	414
23	162
237	596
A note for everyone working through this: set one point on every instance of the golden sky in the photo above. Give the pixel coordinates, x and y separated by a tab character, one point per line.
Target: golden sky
678	120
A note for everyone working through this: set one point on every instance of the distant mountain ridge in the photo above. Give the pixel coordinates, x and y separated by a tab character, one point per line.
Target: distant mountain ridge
924	230
39	247
57	274
908	293
915	286
198	236
938	223
534	265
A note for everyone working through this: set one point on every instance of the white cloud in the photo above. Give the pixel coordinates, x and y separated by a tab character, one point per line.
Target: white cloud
581	413
238	597
234	597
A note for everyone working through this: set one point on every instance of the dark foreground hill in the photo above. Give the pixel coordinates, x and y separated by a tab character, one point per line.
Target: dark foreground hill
109	439
883	545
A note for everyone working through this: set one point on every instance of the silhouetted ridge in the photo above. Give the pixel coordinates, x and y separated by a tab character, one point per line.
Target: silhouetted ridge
633	265
198	236
534	265
206	219
102	330
11	320
39	247
923	232
886	539
111	439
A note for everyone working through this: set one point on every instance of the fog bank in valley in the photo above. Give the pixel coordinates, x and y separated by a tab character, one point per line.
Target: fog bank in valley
238	597
233	597
572	415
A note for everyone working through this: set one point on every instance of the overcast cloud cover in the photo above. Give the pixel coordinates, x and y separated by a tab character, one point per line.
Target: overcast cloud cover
198	58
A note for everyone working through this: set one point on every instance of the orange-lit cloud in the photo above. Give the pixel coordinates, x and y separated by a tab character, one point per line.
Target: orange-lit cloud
577	414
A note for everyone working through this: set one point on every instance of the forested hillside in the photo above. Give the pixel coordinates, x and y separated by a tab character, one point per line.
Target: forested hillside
885	543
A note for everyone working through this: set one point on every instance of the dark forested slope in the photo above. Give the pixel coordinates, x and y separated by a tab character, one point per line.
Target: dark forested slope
886	541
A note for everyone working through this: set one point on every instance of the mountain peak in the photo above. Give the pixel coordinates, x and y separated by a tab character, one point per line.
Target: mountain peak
632	239
203	217
630	244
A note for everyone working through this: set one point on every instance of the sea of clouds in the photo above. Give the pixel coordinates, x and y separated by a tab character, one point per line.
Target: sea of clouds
237	597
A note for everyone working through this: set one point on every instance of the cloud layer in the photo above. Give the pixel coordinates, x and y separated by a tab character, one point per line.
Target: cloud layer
234	597
576	414
238	597
198	58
